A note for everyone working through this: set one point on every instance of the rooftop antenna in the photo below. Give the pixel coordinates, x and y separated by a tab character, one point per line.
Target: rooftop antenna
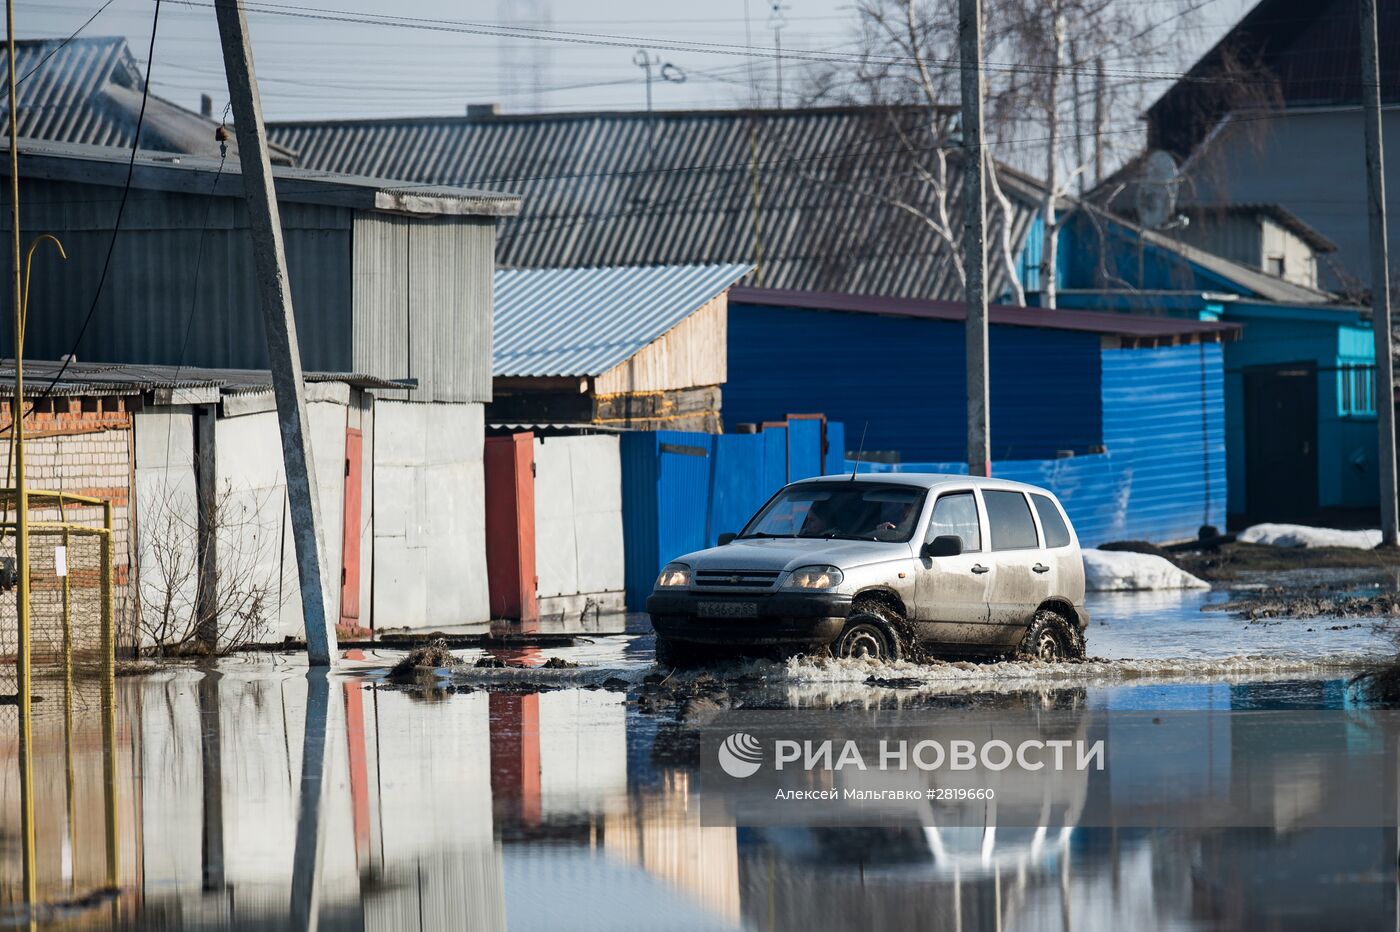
753	63
860	452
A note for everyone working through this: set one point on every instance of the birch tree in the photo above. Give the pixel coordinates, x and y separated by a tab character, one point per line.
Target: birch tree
1057	50
902	67
1043	58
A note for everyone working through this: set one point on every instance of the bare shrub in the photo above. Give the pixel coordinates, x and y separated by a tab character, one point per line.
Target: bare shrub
210	573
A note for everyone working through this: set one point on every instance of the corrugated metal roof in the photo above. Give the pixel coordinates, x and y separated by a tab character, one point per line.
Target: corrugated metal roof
1276	212
583	322
96	378
1254	281
193	174
811	197
1135	326
88	90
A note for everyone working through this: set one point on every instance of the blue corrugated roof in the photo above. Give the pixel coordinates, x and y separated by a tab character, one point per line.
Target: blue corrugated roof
583	322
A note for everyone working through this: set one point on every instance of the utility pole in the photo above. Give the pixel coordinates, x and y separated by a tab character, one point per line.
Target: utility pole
668	72
979	452
1100	120
646	61
1380	269
1074	93
22	659
776	20
284	357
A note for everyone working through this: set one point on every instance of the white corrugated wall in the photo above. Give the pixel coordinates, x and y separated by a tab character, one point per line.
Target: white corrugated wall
429	516
578	525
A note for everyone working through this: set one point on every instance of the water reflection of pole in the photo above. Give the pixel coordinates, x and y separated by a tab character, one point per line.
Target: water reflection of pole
1066	918
957	898
996	893
68	776
109	704
212	846
307	862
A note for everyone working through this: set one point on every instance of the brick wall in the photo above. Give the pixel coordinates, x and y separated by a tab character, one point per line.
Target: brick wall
81	446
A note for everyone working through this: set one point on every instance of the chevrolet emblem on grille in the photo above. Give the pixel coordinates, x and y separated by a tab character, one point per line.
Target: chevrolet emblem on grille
735	580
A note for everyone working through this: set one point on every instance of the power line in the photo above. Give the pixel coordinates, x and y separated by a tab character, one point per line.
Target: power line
678	45
62	45
121	209
291	186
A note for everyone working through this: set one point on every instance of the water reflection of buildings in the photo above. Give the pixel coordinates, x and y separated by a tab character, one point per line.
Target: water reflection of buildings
71	800
565	809
436	812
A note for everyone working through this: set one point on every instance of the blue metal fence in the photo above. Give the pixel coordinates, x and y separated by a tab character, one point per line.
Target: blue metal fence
1161	477
681	490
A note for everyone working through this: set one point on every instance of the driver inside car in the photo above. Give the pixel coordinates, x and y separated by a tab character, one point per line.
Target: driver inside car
900	522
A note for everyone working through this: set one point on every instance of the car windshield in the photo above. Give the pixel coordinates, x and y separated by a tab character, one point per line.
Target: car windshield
843	510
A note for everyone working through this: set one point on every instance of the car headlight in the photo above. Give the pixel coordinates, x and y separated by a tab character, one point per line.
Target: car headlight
673	576
814	577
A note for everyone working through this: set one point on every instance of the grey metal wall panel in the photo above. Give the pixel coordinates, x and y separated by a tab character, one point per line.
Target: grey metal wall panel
387	294
473	341
179	289
430	307
380	294
423	303
318	265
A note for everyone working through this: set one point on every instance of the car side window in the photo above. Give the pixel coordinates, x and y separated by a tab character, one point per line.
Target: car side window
1009	520
1056	532
955	515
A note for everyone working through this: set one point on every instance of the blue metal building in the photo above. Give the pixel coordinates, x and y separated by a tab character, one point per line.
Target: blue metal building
1122	415
1300	415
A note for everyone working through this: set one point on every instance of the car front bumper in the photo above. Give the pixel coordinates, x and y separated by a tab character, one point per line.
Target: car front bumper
808	619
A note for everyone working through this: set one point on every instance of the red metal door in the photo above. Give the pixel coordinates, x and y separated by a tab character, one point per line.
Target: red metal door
350	541
510	526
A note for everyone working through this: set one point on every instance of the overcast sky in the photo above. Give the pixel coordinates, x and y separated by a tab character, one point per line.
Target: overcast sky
312	65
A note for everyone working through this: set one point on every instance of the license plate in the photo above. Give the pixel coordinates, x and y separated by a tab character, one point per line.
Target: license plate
727	609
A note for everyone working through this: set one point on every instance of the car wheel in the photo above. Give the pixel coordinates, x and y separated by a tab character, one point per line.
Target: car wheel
1051	638
671	653
867	636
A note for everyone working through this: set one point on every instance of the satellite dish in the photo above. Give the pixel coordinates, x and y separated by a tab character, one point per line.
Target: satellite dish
1156	189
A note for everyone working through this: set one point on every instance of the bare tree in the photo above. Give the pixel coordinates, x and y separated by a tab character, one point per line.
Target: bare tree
902	69
1038	55
1056	43
199	572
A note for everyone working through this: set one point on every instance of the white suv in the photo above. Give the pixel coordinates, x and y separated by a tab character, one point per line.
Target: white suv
879	565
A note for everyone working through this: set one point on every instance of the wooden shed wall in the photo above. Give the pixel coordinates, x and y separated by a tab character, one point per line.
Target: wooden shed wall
692	353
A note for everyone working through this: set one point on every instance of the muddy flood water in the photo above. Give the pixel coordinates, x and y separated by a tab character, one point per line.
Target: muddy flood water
250	795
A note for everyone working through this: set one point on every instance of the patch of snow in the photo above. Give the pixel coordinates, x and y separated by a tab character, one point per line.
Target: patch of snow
1121	570
1298	535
